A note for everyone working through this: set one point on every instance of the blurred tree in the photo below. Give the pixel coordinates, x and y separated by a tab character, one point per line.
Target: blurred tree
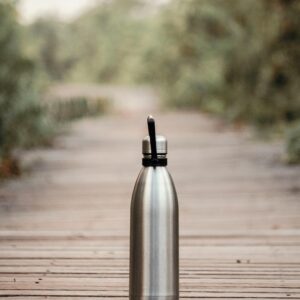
96	46
105	39
235	57
293	145
22	122
48	44
239	58
185	53
263	67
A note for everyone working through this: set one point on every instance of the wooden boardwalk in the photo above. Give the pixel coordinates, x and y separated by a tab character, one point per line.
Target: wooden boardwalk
65	226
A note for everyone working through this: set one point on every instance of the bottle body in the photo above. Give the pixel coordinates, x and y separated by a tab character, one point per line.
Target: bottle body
154	257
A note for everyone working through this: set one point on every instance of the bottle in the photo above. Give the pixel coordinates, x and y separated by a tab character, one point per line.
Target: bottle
154	253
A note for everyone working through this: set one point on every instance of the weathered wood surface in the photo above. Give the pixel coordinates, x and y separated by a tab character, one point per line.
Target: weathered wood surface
65	226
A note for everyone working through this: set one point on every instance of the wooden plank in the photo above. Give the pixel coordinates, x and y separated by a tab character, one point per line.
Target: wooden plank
65	227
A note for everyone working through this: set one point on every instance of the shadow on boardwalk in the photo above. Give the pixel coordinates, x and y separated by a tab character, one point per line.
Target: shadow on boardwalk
65	227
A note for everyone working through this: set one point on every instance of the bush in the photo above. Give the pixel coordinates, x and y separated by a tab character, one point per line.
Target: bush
240	59
293	145
63	110
23	122
95	47
262	70
184	55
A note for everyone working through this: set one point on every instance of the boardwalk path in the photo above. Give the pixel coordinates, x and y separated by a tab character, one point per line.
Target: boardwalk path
64	228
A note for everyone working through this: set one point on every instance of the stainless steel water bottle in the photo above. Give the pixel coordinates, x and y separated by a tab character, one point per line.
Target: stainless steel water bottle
154	260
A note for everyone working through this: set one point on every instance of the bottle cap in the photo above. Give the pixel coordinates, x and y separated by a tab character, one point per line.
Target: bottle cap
161	145
154	147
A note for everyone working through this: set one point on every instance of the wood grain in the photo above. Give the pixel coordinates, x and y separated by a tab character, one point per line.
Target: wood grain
65	225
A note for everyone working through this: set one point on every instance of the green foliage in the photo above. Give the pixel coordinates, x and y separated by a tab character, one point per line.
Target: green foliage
22	120
75	108
109	37
293	145
97	46
262	71
237	58
45	41
184	56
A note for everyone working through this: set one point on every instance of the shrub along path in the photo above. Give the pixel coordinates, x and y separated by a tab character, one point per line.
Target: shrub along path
65	226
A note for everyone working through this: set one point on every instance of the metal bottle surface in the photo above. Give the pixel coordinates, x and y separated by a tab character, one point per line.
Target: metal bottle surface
154	257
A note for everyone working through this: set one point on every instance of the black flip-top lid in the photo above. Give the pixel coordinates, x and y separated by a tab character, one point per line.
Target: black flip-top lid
154	146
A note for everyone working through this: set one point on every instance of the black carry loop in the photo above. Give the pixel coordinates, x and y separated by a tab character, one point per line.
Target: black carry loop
154	161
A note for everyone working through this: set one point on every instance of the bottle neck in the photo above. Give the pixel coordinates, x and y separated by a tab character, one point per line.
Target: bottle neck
160	161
